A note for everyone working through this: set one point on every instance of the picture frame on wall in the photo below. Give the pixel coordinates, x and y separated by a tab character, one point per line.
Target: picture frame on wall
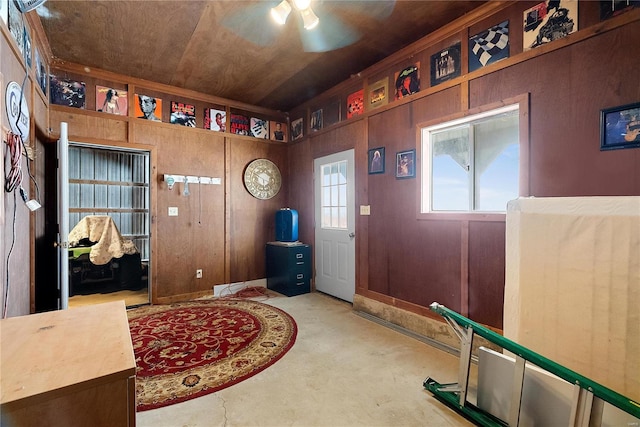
376	160
111	100
445	65
611	8
278	131
378	93
620	127
406	164
297	130
355	103
407	81
316	120
489	46
548	21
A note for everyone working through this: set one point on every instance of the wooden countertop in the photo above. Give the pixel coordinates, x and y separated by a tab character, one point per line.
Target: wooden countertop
54	353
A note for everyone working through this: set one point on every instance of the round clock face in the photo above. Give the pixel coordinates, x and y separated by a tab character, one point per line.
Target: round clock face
262	179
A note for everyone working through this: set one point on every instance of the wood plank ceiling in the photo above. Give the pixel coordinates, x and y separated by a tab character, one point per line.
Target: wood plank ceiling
232	49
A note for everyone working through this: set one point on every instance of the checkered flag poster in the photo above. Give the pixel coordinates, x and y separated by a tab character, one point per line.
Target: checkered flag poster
489	46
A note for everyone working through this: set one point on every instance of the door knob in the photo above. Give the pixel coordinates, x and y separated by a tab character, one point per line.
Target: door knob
352	235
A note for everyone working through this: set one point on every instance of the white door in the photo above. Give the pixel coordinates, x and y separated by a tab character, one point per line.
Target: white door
335	225
63	217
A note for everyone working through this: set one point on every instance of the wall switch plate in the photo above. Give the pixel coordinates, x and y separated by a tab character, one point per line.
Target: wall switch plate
173	211
365	210
199	273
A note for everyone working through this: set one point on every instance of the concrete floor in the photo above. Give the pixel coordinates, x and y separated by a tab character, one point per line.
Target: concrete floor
343	370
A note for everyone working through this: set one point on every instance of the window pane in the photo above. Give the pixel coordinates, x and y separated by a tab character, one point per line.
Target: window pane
335	220
343	173
342	221
450	170
497	160
326	217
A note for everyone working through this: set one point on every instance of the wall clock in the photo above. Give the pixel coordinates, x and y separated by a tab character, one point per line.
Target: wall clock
262	179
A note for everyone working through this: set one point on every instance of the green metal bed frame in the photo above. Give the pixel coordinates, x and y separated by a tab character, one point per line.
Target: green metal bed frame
588	397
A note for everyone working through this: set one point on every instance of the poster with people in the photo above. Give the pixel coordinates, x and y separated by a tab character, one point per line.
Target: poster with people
215	119
111	100
278	131
445	65
148	108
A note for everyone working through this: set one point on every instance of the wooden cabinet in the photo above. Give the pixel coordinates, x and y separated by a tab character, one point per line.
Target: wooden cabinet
68	368
289	268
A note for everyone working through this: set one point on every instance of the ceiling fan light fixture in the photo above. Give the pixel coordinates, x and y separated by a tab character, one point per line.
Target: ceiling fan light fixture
309	18
302	4
281	12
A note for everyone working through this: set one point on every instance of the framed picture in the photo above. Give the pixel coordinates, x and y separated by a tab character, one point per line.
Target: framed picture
378	93
445	65
215	119
316	120
148	108
407	81
296	129
110	100
620	127
278	131
69	93
376	160
610	8
548	21
406	164
259	128
355	104
489	46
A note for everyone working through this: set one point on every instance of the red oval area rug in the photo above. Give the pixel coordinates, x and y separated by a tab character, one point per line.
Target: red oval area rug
189	349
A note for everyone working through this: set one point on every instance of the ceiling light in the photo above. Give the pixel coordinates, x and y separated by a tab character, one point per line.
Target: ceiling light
309	18
302	4
281	12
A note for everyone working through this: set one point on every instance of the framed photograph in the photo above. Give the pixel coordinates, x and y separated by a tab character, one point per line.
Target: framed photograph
296	129
378	93
183	114
406	164
316	120
376	160
407	81
620	127
278	131
445	65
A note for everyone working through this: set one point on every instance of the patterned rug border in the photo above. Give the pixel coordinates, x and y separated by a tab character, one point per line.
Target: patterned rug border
239	304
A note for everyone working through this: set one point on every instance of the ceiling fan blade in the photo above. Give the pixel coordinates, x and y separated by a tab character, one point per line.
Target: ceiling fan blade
330	34
252	23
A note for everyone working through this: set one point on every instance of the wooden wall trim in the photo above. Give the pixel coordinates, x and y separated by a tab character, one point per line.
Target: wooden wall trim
227	209
422	44
134	82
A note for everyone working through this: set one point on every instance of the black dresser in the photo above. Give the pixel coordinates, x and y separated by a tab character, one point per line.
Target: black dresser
289	268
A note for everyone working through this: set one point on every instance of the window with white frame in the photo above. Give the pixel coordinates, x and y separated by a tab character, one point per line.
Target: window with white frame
472	164
334	195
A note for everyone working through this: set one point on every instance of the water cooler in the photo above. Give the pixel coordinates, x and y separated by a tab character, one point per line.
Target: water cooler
288	260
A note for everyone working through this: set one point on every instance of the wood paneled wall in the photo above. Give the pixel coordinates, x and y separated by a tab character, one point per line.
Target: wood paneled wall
408	262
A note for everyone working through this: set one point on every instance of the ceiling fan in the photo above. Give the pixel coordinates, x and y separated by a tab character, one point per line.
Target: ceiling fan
322	24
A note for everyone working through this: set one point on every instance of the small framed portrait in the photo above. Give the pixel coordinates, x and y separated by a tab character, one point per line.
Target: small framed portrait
376	160
406	164
620	127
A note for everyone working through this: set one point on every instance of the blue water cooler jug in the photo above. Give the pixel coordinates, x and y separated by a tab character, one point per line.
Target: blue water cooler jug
287	225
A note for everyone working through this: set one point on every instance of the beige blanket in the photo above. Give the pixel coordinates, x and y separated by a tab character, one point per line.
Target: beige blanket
102	230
